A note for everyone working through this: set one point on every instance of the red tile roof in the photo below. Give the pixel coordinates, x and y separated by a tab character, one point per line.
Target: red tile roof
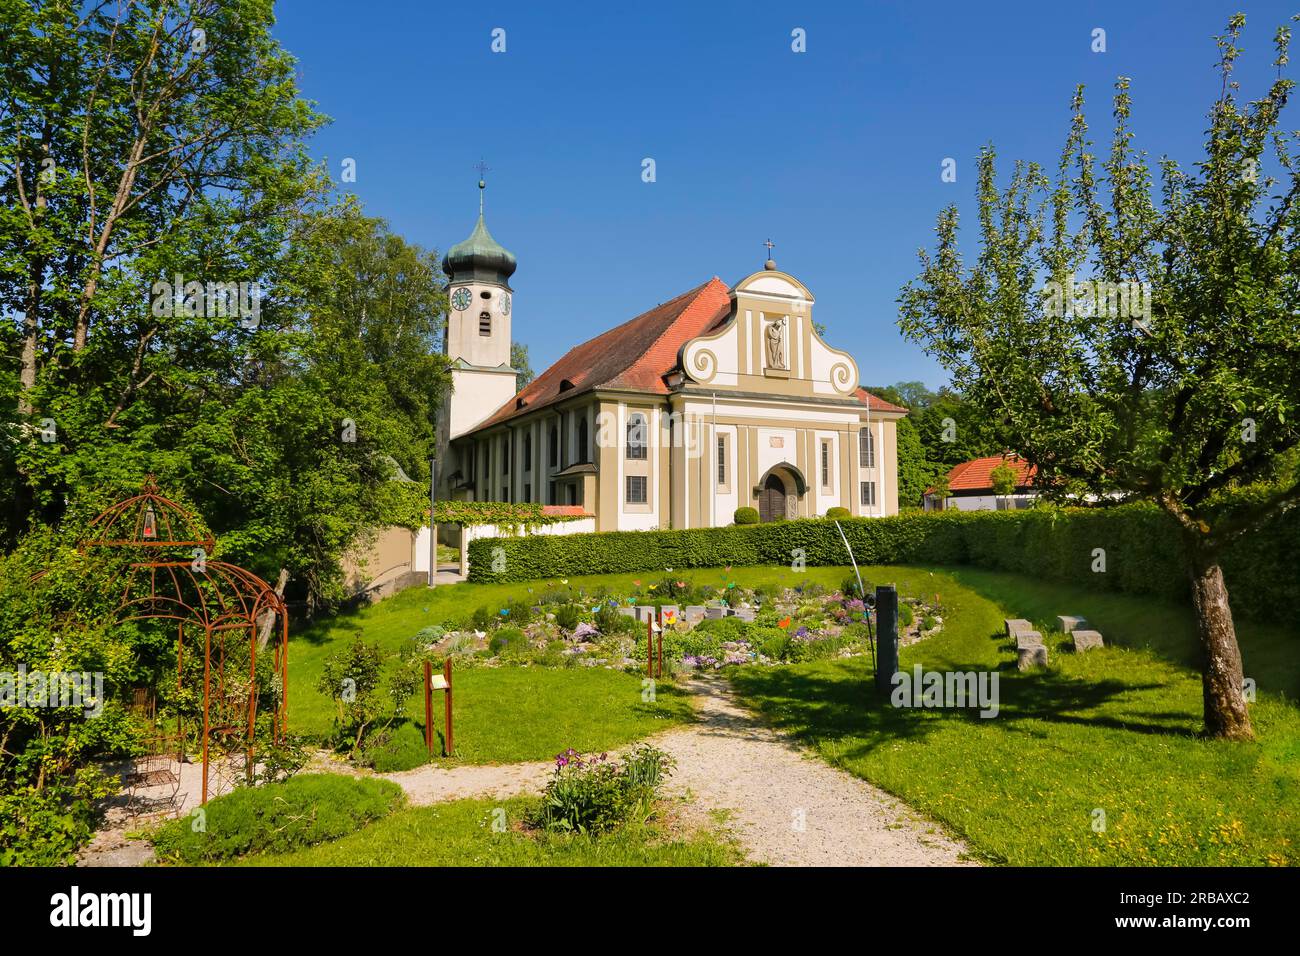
560	510
974	475
635	355
877	404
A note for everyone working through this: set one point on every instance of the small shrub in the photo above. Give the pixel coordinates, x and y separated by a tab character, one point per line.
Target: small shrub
905	615
352	678
595	794
928	623
839	513
484	619
799	651
521	612
394	749
849	587
771	641
303	811
746	516
508	641
727	628
611	622
568	616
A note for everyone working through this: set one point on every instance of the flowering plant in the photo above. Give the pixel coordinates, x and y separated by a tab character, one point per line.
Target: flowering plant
593	794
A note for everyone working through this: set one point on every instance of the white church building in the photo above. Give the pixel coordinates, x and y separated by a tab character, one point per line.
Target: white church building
720	398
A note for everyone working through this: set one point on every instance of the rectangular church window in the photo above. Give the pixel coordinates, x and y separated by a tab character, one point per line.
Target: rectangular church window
869	493
636	489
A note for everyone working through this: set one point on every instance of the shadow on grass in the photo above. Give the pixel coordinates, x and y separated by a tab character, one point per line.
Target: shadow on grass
829	704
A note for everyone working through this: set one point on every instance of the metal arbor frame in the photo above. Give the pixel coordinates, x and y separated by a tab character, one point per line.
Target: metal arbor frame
220	598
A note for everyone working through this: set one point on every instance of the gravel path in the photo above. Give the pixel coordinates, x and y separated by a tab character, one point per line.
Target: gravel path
426	785
784	806
788	807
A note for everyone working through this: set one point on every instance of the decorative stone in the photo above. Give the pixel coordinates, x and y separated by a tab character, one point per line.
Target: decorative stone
1028	639
1068	623
715	613
1015	624
744	613
627	611
645	612
694	613
669	613
1086	640
1035	655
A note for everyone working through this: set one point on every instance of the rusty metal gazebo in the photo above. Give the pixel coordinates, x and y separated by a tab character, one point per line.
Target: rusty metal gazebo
218	597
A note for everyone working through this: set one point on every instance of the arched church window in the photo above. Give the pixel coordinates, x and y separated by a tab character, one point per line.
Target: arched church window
485	323
866	449
636	437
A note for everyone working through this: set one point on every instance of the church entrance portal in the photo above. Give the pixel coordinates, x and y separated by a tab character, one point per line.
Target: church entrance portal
771	502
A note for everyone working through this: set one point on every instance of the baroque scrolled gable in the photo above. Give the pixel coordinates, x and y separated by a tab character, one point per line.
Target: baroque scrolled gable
769	344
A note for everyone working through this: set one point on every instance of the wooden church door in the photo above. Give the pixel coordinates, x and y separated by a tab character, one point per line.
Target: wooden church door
771	502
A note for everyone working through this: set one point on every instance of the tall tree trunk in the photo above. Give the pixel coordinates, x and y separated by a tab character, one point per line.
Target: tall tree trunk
1226	716
268	616
31	332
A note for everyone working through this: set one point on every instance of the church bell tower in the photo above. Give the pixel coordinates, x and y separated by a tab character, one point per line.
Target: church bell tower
480	304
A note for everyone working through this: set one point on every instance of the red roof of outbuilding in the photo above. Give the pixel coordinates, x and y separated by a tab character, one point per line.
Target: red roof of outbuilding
974	475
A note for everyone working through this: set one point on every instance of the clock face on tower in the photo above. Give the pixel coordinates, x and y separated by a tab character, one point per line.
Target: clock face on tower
505	303
460	299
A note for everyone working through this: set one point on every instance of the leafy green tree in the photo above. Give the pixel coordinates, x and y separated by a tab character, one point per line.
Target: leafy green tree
175	134
913	473
1003	480
519	361
1188	389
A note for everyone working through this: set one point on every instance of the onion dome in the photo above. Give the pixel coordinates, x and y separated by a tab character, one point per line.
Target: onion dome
480	258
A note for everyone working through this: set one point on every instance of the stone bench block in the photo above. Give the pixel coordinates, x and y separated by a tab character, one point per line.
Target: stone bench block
694	613
1086	640
1028	639
1016	624
1035	655
1067	623
715	613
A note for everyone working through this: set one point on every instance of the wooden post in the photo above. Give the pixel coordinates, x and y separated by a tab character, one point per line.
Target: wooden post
659	670
428	706
446	673
650	646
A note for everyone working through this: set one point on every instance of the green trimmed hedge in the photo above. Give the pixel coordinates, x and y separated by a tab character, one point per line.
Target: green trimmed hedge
1143	553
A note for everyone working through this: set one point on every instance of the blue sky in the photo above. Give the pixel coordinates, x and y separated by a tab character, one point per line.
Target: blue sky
834	153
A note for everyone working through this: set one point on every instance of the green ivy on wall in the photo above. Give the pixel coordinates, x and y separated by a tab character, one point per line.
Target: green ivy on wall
508	516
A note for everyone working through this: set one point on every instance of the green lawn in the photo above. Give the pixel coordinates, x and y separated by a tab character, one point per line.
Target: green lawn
1113	730
504	714
461	833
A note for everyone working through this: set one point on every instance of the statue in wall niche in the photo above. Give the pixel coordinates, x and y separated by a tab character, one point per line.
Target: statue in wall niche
776	344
